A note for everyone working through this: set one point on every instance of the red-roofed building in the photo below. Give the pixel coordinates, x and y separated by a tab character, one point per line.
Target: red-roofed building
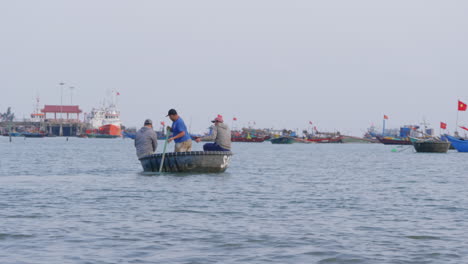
62	109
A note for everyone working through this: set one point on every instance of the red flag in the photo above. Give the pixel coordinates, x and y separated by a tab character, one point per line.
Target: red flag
385	117
443	125
118	93
465	128
235	119
162	123
461	106
310	122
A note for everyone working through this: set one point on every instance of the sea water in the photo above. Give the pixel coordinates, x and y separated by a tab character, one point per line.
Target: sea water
86	201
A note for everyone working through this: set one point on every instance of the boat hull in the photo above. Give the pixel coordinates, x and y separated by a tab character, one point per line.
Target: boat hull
128	135
326	140
33	135
459	144
188	162
282	140
101	136
431	147
249	140
112	130
357	140
13	134
394	141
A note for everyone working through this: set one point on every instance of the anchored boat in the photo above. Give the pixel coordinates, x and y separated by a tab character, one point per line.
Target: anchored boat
430	145
191	162
34	135
283	140
101	136
459	144
394	141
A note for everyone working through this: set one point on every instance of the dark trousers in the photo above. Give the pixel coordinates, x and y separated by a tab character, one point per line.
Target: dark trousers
213	147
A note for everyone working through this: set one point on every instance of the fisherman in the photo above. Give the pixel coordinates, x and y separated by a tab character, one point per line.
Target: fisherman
221	135
146	140
180	134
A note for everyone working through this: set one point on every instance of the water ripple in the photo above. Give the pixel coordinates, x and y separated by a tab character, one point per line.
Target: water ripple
296	204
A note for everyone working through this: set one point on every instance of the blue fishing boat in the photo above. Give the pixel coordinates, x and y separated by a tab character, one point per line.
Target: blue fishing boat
459	144
33	135
128	135
13	134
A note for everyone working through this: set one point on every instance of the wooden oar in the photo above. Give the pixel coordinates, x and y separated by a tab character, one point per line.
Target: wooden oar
164	151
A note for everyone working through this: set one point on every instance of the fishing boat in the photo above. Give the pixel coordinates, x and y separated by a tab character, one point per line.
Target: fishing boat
13	134
394	141
323	137
102	136
430	145
126	134
106	119
33	135
283	140
110	129
444	138
351	139
249	135
188	162
249	140
459	144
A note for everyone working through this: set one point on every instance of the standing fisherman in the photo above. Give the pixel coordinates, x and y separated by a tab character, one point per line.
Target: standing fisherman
221	135
146	140
180	134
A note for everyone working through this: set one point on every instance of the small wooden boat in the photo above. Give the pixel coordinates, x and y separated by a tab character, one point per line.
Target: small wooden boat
459	144
191	162
430	145
283	140
394	141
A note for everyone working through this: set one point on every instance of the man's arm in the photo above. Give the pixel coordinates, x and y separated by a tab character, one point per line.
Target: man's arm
213	135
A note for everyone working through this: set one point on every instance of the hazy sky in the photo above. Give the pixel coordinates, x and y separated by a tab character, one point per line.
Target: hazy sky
340	64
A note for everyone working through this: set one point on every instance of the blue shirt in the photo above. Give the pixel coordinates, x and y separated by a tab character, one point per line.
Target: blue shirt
177	127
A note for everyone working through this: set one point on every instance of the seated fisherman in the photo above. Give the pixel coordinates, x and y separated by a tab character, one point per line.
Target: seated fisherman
221	135
146	140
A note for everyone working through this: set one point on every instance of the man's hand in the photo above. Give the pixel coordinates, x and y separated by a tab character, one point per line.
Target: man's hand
170	140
